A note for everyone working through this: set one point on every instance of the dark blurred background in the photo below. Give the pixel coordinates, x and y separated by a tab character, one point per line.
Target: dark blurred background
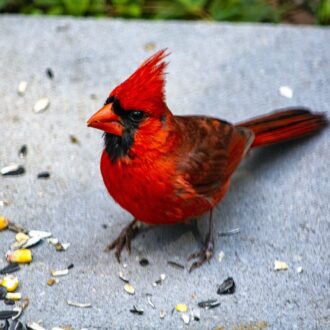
273	11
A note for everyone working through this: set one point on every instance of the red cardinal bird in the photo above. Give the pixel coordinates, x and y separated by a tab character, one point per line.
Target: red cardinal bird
167	169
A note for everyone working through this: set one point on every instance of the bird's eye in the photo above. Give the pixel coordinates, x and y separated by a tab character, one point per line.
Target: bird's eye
136	116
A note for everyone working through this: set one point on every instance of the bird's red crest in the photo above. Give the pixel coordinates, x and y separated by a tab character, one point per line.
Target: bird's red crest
144	89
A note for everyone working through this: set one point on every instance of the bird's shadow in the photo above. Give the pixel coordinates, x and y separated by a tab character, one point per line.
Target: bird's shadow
259	162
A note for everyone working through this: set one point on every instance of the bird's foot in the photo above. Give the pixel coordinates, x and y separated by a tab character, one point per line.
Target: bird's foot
124	239
204	255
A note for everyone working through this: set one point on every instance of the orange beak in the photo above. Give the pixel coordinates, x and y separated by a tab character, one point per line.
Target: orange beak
106	120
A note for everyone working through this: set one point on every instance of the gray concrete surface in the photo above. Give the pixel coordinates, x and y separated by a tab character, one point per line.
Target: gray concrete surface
279	197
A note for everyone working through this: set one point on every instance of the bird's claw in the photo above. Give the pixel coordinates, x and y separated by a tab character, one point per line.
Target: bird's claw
204	255
124	239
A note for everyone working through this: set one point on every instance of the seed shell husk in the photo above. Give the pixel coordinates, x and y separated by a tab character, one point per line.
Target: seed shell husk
227	287
60	272
22	86
41	105
50	73
20	308
52	281
185	317
12	169
39	233
175	264
32	242
123	278
34	326
149	301
16	228
10	282
43	175
299	269
3	292
129	288
80	305
162	313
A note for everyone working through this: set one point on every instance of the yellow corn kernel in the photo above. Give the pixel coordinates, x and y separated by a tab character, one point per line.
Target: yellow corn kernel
10	282
21	256
14	296
182	308
3	222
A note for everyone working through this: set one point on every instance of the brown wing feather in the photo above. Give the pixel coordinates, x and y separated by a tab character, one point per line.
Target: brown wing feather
213	150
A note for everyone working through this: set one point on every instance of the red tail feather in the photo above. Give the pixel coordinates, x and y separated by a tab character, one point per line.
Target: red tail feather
284	125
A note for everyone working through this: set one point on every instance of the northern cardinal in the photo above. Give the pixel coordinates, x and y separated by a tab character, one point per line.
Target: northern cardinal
168	169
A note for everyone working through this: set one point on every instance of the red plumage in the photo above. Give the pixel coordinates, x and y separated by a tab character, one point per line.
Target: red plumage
166	169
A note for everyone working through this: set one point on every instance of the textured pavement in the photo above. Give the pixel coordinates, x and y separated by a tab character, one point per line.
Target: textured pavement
279	197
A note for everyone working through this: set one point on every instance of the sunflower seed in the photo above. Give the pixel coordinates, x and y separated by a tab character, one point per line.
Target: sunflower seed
40	234
12	169
17	228
136	310
208	304
32	242
196	314
10	268
43	175
227	287
22	151
41	105
5	315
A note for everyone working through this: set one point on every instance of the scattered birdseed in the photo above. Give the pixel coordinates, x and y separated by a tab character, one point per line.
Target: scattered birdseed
39	233
196	314
227	287
62	246
14	296
175	264
52	281
182	308
21	89
136	310
149	46
286	91
32	242
3	292
21	237
10	282
10	268
12	169
50	73
185	317
229	232
4	222
41	105
299	269
280	265
80	305
144	262
52	240
123	278
35	326
4	202
17	228
20	308
221	255
5	315
161	279
21	256
149	300
74	139
162	313
61	272
208	304
22	151
43	175
70	266
129	288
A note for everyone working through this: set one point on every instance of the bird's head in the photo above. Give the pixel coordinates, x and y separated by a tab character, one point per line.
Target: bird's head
135	109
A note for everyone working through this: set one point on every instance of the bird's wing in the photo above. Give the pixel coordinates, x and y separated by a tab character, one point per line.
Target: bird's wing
211	151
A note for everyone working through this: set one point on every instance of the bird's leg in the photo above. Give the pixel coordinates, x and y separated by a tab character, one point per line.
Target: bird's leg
207	251
124	239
